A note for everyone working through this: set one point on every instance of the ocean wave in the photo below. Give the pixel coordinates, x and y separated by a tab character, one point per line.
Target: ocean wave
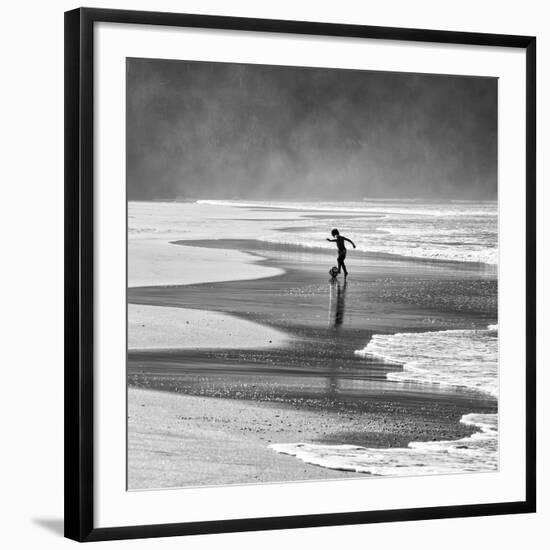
413	249
475	453
460	358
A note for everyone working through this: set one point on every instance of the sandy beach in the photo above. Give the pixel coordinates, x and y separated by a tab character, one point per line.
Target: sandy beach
267	357
181	440
154	327
178	440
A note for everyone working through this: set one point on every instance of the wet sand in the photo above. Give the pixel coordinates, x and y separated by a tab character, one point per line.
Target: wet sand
181	440
330	394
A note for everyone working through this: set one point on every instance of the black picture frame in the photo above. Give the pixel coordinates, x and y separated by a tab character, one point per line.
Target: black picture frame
79	265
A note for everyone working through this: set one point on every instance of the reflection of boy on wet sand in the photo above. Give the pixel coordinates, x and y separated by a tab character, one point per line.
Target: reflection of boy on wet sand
341	244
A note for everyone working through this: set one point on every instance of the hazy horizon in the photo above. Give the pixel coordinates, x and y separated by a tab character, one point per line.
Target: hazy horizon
291	201
202	130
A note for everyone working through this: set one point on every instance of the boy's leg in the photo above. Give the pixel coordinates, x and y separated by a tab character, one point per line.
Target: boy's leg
341	264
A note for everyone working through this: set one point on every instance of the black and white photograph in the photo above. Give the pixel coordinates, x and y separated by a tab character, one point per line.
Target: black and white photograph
273	275
312	274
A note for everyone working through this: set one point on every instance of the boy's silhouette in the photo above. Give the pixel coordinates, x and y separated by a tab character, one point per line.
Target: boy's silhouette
341	244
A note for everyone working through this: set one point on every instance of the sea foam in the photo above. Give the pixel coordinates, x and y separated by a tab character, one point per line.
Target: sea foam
476	453
461	358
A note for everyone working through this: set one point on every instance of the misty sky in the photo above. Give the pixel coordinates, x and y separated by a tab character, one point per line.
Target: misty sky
217	130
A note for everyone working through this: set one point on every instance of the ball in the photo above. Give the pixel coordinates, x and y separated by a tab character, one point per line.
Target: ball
333	271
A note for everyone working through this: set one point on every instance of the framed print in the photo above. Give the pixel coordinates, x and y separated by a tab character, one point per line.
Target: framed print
300	274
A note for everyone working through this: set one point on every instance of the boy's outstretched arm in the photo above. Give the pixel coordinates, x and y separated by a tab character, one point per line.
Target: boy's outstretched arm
350	241
331	240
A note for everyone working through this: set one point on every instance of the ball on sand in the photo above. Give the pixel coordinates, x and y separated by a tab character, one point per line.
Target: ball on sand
333	271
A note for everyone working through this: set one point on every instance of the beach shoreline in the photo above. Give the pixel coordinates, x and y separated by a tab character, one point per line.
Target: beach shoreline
177	440
181	440
362	406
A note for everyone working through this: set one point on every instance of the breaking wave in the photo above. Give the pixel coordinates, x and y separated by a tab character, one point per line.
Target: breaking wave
460	358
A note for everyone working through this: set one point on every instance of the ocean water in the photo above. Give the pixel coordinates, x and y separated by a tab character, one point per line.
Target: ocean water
459	358
464	231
